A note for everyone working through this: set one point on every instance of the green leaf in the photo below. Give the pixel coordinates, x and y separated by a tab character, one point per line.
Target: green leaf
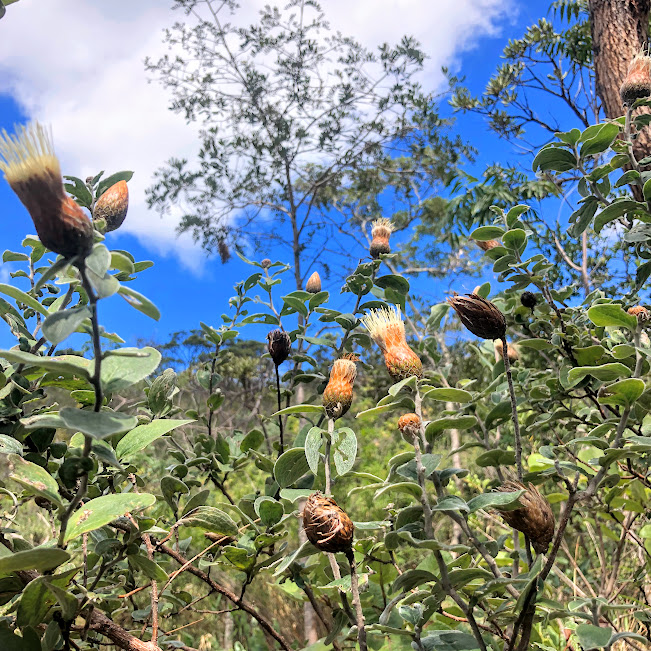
616	210
139	302
210	519
451	503
600	141
611	314
35	479
344	444
485	233
449	641
516	239
290	466
593	637
580	219
41	559
60	325
313	442
149	568
623	393
79	191
21	297
252	441
60	364
495	499
535	344
605	372
143	435
447	395
9	445
554	159
397	283
435	427
300	409
112	180
496	458
125	366
269	510
102	510
99	425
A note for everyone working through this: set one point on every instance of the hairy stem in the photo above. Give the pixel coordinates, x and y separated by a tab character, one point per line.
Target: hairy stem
354	586
280	418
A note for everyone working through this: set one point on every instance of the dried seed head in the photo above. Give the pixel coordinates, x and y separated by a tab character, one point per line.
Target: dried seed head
338	394
409	426
313	284
511	350
279	346
380	232
266	263
528	299
32	170
388	331
326	524
480	316
637	84
534	518
487	245
640	312
224	251
112	206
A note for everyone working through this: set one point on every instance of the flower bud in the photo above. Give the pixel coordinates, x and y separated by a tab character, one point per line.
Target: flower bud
338	394
528	299
266	263
33	172
314	283
640	312
279	346
480	316
409	426
637	84
511	351
534	518
380	232
326	524
487	245
388	331
112	206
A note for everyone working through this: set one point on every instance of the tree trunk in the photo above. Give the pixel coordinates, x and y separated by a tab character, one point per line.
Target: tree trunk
620	29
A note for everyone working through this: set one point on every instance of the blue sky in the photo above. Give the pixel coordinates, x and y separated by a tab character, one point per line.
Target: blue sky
42	83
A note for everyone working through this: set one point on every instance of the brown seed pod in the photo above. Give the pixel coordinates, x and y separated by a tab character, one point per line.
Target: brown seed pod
113	205
313	284
32	170
326	524
279	346
534	518
480	316
640	312
637	84
338	394
380	232
388	331
409	426
487	245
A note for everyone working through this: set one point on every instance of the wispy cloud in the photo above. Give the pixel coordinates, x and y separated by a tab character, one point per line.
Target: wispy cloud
79	67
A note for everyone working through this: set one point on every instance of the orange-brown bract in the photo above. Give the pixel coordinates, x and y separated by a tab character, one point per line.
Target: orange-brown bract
313	284
338	394
637	84
113	205
409	426
279	345
326	524
487	245
640	312
479	315
32	170
380	233
388	331
534	518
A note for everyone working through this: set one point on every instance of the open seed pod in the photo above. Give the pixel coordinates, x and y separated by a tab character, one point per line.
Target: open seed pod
326	524
279	346
479	315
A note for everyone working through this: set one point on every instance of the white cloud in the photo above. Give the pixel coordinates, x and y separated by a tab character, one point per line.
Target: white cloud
78	65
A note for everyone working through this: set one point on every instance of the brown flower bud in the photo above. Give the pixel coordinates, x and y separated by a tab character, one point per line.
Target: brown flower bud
314	283
640	312
266	263
326	524
32	170
534	518
409	426
388	331
637	84
480	316
224	251
112	206
380	232
511	351
528	299
338	394
487	245
279	346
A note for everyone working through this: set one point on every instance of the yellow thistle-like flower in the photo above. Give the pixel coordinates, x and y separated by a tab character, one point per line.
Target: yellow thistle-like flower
381	230
637	84
32	170
313	284
338	394
112	206
409	426
326	524
388	331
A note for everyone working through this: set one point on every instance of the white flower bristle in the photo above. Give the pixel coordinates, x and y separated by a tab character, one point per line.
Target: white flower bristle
27	153
377	321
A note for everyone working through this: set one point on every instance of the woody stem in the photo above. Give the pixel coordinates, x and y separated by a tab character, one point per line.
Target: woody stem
280	418
354	586
514	409
328	478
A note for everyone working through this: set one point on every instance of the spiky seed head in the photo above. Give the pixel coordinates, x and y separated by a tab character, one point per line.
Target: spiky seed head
528	299
33	172
313	284
534	518
279	346
387	329
113	205
326	524
511	350
640	312
637	84
338	394
487	245
409	426
479	315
